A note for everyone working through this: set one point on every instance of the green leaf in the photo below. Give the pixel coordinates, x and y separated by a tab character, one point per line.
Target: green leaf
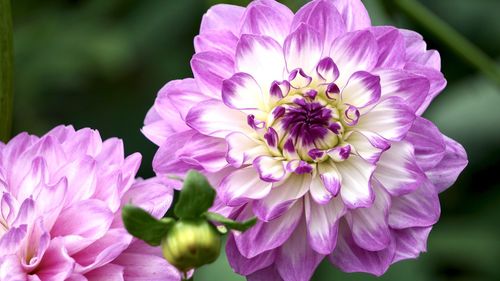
142	225
196	197
229	223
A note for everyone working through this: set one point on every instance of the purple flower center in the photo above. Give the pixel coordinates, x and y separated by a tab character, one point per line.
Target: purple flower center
307	121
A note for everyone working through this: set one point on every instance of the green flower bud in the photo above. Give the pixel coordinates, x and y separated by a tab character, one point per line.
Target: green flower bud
191	243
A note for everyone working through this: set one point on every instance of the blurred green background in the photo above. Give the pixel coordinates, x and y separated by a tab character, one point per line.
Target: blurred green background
100	63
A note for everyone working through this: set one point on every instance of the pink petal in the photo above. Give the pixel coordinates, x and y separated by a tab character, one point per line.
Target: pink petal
352	52
428	143
210	69
324	17
216	41
322	224
296	260
303	48
243	149
349	257
266	17
410	242
417	209
444	174
369	226
204	151
56	264
213	118
398	171
243	185
270	169
142	262
262	58
353	13
222	17
109	272
241	91
368	146
266	274
362	90
276	232
94	220
181	96
391	46
391	119
10	268
412	88
282	197
355	187
246	266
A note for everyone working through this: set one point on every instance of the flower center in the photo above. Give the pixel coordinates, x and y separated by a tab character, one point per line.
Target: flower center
306	121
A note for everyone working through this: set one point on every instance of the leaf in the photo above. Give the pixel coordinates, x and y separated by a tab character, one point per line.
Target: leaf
197	196
229	223
142	225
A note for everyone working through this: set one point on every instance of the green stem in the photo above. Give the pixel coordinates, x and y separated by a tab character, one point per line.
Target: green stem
6	63
449	36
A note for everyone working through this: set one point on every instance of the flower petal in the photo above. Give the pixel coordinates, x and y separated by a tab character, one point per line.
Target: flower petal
216	41
282	197
417	209
243	185
296	260
330	176
246	266
352	52
368	146
242	92
222	17
143	262
10	268
322	16
410	242
353	13
207	152
322	224
213	118
391	119
210	69
266	17
391	46
182	96
166	161
428	143
108	272
412	88
303	49
266	274
56	264
398	171
362	89
94	220
444	174
270	169
436	80
276	232
369	226
262	58
349	257
355	188
243	149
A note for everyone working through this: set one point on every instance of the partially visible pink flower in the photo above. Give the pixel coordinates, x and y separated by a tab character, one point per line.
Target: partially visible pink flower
312	122
60	200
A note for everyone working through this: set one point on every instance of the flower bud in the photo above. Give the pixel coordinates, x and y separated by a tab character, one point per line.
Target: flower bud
191	243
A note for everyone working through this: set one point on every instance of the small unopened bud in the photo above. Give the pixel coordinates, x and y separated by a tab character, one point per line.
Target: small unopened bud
191	243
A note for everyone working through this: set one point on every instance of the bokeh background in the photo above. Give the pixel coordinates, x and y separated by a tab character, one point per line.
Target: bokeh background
99	64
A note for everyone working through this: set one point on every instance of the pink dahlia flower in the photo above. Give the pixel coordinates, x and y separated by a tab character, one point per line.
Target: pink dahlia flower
312	122
60	203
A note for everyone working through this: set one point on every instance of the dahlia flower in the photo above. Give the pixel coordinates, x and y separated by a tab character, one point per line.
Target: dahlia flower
312	122
60	201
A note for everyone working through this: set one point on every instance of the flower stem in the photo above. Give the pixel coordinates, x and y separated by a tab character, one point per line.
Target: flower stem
6	63
449	36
